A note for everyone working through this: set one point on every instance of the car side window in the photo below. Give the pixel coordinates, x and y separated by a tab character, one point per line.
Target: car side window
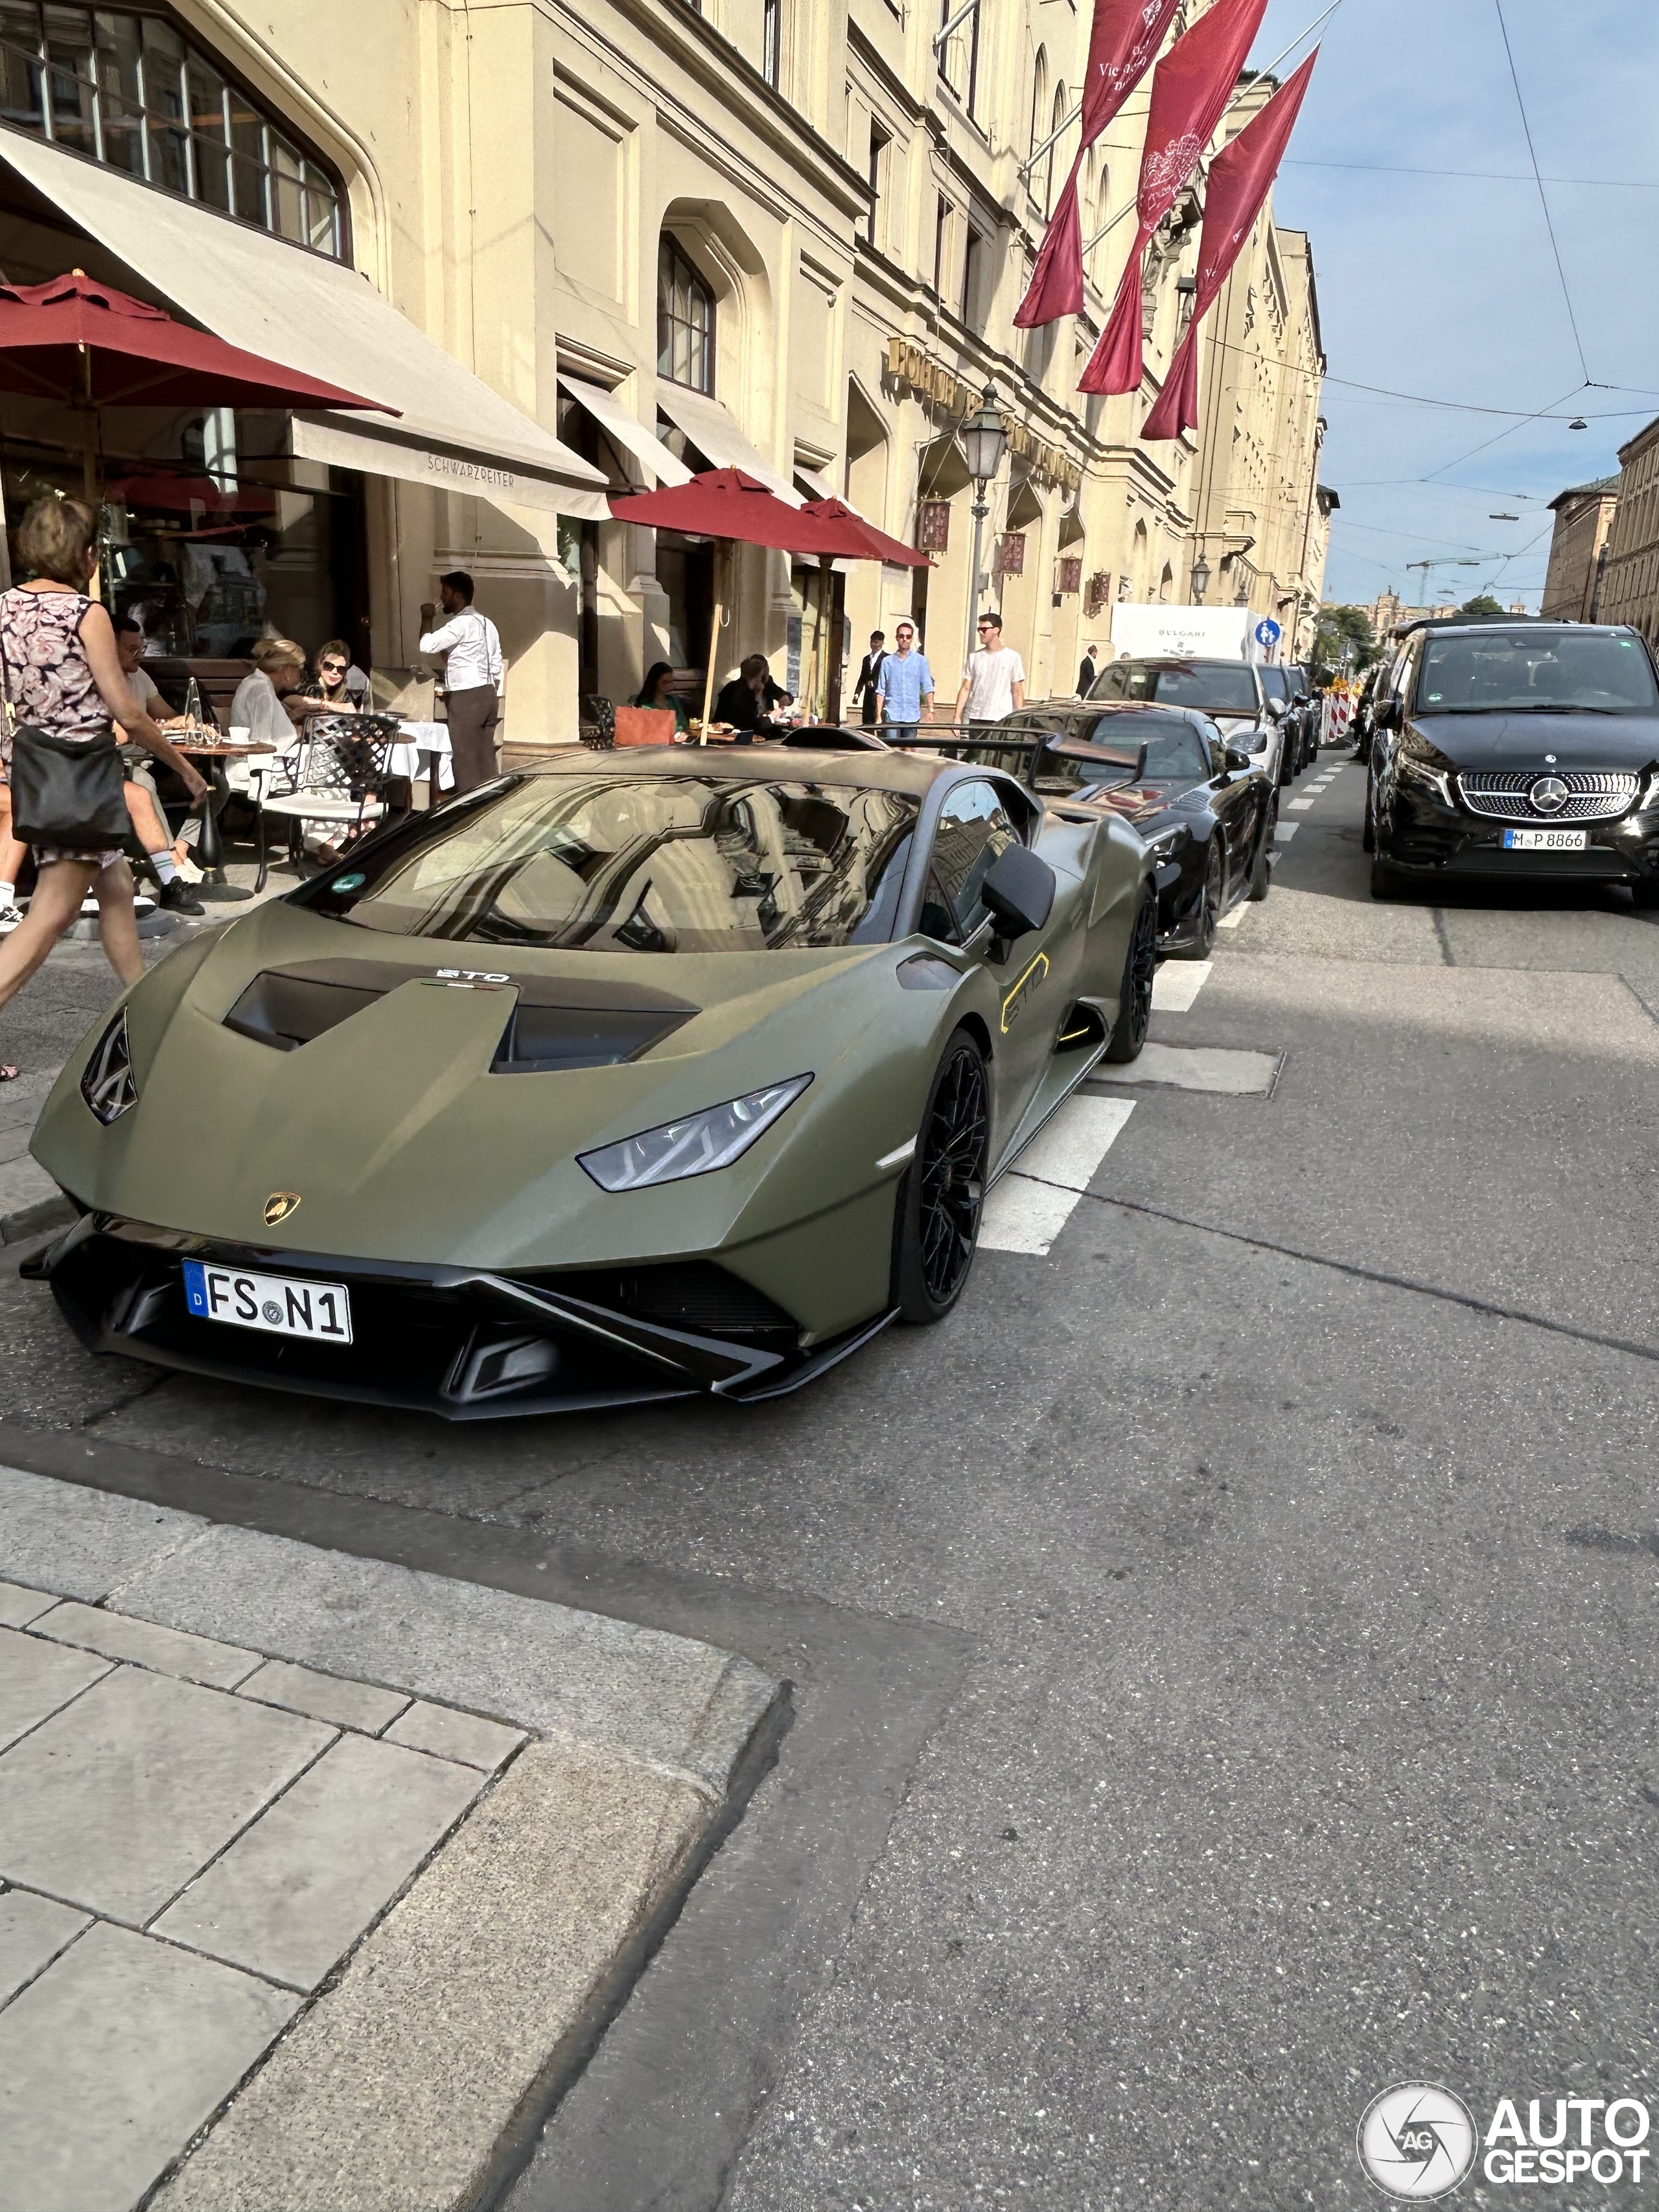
1112	682
975	830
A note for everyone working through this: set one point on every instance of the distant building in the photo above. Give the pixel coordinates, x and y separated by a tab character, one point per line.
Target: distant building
1390	612
1630	575
1584	517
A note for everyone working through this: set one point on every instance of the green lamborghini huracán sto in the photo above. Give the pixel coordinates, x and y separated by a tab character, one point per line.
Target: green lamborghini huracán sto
628	1076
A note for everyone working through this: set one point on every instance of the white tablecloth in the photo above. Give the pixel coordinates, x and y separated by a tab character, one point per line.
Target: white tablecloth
413	756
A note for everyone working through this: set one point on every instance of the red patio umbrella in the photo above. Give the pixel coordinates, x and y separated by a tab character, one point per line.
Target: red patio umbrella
726	504
876	544
73	339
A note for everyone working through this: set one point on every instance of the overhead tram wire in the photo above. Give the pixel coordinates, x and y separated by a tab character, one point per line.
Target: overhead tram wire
1543	197
1483	176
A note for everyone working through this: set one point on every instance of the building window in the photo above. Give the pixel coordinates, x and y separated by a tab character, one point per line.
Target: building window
685	321
879	141
772	41
1048	158
129	90
958	57
973	261
941	239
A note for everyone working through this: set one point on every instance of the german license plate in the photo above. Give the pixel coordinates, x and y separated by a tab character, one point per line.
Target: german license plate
1546	841
278	1305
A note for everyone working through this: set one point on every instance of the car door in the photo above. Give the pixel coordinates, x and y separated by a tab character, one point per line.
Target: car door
975	824
1236	799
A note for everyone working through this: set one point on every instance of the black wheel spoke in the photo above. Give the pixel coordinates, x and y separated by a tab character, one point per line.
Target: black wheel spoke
951	1172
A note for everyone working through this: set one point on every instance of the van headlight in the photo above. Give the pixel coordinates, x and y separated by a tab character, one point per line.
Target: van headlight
695	1145
107	1082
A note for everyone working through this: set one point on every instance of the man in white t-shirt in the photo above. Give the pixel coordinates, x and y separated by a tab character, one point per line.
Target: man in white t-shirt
994	681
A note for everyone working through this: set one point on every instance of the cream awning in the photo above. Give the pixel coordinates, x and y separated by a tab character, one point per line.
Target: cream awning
717	437
452	431
626	430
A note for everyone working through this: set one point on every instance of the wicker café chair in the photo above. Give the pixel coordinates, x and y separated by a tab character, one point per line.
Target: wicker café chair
337	775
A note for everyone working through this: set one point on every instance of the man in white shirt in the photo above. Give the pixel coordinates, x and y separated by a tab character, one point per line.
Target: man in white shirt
472	677
994	681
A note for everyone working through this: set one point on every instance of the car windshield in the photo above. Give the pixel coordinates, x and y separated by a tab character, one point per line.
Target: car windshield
1216	687
1586	672
1273	683
652	864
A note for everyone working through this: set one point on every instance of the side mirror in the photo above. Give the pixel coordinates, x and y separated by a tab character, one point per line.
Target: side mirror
1386	714
1238	758
1019	890
1278	708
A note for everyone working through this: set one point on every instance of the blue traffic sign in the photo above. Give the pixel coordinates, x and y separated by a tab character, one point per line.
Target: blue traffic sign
1268	631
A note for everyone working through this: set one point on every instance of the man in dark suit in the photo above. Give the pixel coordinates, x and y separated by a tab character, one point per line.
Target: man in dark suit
1087	671
869	677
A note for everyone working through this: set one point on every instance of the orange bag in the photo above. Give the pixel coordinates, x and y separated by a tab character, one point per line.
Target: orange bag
644	725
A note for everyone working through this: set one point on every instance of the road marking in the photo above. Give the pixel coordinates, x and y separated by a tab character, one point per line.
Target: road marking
1231	920
1285	830
1033	1202
1300	806
1177	983
1198	1067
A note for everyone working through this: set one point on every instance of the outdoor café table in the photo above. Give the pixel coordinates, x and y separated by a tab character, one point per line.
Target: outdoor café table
210	849
424	749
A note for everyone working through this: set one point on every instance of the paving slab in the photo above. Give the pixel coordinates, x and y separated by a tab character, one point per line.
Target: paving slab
81	1543
36	1678
116	1802
449	1734
32	1931
164	1650
556	1671
1198	1067
295	1890
385	2097
357	1705
111	2060
18	1606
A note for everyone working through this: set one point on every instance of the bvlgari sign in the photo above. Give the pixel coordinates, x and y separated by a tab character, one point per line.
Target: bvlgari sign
930	379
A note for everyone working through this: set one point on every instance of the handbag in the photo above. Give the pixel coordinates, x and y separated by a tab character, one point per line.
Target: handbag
65	794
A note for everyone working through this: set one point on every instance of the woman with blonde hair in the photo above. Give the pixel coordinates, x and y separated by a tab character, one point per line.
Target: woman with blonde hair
62	676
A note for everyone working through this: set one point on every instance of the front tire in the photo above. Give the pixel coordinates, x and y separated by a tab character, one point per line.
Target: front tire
1644	895
1368	839
1134	997
1211	900
944	1192
1261	871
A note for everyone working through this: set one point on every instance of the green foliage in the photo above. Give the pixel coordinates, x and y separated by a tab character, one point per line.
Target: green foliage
1482	604
1344	643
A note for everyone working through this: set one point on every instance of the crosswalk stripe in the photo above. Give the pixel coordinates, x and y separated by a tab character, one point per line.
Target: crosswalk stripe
1033	1202
1177	983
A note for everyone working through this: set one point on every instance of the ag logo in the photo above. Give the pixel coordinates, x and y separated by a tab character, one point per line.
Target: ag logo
1031	981
278	1206
1417	2140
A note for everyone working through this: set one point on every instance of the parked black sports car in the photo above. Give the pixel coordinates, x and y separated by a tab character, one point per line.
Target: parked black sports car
1232	693
1208	811
1517	750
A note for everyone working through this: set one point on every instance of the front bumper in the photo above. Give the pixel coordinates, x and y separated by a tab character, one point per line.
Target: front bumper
460	1342
1427	835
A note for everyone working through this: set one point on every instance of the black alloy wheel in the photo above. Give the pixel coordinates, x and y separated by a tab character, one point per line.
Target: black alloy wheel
945	1188
1260	870
1211	900
1134	998
1368	838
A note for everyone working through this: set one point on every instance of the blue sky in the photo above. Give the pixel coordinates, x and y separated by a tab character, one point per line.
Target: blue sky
1445	285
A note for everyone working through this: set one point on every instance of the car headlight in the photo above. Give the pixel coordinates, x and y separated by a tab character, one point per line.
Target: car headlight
1165	843
1411	770
696	1145
107	1082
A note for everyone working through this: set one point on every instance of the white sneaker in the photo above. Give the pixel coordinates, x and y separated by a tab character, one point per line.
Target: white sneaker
9	919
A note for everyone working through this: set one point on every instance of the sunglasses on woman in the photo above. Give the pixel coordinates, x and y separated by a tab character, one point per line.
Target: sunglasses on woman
333	667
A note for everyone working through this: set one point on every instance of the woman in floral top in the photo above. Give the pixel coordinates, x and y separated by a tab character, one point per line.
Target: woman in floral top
61	674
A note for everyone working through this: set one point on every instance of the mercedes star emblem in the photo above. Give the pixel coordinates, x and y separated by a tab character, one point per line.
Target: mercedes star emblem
1548	795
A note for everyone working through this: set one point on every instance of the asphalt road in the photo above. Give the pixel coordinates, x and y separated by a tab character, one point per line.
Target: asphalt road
1225	1651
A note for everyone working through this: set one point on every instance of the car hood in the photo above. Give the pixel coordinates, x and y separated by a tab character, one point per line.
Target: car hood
1522	740
1253	732
407	1138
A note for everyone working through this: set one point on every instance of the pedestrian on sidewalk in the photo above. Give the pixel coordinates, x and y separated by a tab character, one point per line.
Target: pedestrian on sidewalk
61	673
472	677
1088	669
869	678
994	681
150	825
904	688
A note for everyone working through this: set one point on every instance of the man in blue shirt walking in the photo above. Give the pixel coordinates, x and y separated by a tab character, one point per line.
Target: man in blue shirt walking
904	689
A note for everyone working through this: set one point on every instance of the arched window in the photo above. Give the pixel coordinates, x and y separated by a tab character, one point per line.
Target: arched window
1039	98
1102	205
131	90
685	320
1050	157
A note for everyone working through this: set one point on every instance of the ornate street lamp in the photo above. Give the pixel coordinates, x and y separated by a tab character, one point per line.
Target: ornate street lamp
1200	579
984	442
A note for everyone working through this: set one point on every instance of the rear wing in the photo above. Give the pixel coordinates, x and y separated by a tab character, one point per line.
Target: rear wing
1043	760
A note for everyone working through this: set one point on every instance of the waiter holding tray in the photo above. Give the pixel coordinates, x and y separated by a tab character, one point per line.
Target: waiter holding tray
472	677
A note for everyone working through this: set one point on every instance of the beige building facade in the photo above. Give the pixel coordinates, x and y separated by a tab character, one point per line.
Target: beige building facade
582	249
1630	578
1583	521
